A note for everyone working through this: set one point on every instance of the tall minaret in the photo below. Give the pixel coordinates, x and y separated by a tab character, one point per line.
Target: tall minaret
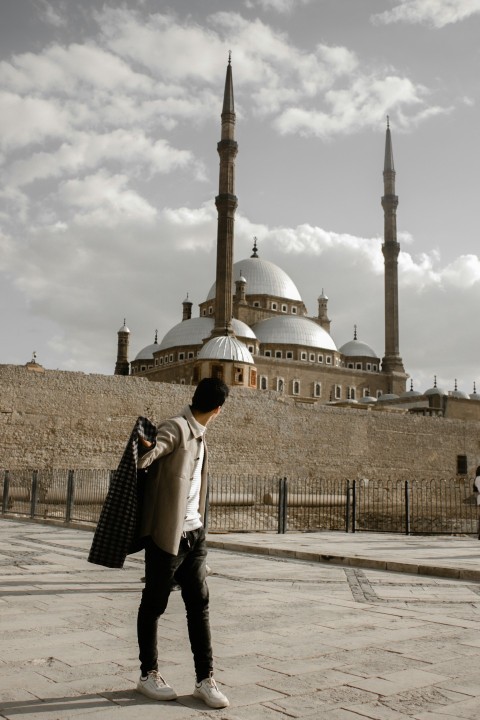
392	362
122	366
226	203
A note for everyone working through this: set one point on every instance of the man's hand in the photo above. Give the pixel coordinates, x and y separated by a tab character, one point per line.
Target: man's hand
145	443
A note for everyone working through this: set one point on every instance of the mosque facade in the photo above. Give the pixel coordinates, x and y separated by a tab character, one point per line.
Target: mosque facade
253	328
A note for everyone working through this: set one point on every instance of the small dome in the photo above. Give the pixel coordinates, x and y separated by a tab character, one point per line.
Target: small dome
435	390
474	395
124	328
411	392
262	278
356	348
225	347
369	399
293	330
456	393
243	330
387	396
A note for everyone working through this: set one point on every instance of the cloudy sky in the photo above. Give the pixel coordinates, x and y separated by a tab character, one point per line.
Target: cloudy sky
109	120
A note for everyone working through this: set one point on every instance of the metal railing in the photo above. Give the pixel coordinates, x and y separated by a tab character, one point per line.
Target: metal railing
259	504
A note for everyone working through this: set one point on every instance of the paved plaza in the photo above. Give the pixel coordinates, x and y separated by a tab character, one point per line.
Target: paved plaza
316	625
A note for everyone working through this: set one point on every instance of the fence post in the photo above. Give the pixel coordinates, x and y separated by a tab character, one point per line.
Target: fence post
207	505
70	504
33	499
354	504
347	509
282	505
6	492
407	509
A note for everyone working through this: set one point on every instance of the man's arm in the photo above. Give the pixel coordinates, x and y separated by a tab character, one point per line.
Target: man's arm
168	438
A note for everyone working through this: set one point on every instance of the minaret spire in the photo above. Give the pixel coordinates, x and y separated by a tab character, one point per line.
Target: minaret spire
392	362
226	203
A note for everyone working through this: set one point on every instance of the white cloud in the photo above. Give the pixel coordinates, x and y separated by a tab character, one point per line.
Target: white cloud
280	6
52	16
24	121
433	12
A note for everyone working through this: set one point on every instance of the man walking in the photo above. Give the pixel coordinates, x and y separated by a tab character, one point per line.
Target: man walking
175	546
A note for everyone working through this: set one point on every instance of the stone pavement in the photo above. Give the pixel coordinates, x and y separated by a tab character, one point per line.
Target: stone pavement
307	627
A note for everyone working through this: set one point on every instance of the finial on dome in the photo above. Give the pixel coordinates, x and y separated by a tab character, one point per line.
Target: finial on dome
156	337
474	388
254	249
388	122
455	387
411	385
434	381
354	332
229	57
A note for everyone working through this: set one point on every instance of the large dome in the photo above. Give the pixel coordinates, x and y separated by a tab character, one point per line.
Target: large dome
195	330
262	278
146	353
291	330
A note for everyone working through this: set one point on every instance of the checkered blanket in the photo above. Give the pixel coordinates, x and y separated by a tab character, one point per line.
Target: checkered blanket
116	534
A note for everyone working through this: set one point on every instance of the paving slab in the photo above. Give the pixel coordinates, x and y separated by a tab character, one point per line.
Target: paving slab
296	634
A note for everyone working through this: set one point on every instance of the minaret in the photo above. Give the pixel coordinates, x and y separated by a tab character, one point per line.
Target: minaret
122	366
323	318
392	362
226	203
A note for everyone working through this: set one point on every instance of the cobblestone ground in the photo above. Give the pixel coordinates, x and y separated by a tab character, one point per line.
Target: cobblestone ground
292	639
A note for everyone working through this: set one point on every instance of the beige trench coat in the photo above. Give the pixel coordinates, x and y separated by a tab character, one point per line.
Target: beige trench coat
171	464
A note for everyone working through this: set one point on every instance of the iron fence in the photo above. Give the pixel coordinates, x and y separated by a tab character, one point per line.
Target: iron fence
258	504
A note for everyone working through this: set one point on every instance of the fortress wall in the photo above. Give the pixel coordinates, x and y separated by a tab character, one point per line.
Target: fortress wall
66	419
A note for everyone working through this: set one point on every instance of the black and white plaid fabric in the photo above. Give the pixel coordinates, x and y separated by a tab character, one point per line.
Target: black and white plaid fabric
116	532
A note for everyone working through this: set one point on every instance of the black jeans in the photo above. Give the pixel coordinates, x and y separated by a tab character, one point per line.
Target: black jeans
188	569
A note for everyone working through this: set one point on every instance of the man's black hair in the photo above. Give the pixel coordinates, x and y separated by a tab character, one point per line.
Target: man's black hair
209	394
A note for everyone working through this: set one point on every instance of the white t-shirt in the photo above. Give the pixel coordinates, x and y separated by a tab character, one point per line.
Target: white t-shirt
477	485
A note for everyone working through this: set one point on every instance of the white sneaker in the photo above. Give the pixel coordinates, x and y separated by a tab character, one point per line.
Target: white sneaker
155	687
208	691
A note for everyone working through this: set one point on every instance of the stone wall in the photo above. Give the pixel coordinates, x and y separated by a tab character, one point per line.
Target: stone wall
65	419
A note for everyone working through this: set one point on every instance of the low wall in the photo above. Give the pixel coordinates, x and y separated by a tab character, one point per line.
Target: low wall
59	419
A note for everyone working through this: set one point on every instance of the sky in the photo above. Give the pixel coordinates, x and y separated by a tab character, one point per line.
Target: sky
109	122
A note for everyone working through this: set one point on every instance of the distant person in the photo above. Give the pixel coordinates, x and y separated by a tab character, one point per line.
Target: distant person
476	487
175	548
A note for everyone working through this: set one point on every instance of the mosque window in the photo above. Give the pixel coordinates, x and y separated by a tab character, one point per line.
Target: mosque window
251	349
289	355
351	393
328	360
181	356
253	377
366	392
210	310
379	392
143	368
190	355
204	312
369	366
284	308
256	303
338	392
274	306
294	310
160	360
350	365
278	353
280	385
238	375
317	389
263	383
296	387
312	357
217	372
268	353
303	356
320	358
171	358
374	368
358	366
182	381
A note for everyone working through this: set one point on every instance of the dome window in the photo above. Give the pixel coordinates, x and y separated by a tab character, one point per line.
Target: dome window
251	349
210	310
369	366
312	357
171	358
289	355
366	392
320	358
294	310
256	303
278	353
268	353
379	392
181	356
350	366
328	359
303	356
190	355
284	308
274	305
358	366
280	385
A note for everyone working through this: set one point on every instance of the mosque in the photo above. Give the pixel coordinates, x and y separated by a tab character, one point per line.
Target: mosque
253	329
